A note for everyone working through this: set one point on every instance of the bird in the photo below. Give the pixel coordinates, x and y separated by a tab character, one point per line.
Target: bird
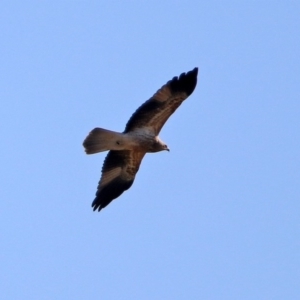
127	149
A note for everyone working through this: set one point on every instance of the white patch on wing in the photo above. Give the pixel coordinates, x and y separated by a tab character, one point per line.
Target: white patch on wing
143	131
110	175
162	116
162	94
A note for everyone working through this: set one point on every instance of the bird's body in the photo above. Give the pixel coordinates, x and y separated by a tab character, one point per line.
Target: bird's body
127	149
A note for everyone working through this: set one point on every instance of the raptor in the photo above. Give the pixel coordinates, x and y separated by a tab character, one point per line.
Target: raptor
127	149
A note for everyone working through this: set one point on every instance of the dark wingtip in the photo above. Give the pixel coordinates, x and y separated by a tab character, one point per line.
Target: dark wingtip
110	192
96	205
186	82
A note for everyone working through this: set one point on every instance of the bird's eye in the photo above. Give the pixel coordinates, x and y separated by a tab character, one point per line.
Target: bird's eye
118	143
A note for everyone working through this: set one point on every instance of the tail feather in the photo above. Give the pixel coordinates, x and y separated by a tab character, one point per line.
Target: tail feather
100	140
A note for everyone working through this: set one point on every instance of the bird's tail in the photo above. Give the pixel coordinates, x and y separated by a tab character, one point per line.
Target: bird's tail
100	140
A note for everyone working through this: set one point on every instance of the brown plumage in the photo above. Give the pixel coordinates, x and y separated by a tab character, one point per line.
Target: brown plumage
140	136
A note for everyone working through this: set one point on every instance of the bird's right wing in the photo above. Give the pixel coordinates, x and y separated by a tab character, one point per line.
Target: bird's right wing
153	114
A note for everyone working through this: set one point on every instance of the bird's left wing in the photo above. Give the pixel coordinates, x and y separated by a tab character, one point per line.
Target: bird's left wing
118	173
153	114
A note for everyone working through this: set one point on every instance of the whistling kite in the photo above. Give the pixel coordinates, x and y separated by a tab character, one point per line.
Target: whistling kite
127	149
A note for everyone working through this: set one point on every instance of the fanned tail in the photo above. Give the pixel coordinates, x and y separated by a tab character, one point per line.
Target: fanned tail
100	140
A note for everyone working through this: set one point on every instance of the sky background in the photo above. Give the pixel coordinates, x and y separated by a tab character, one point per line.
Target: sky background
216	218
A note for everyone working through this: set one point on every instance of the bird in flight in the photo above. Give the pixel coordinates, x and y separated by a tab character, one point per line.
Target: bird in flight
127	149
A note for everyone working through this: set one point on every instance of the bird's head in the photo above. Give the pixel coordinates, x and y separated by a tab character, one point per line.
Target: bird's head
159	145
165	147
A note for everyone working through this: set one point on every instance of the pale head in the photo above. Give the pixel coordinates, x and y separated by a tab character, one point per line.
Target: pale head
159	145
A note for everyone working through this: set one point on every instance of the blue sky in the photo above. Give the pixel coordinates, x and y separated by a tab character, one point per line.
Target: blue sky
217	217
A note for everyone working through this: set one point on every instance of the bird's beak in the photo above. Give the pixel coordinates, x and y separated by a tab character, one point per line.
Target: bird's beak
168	149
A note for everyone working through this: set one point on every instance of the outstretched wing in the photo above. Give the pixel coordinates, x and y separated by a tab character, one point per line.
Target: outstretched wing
153	114
118	173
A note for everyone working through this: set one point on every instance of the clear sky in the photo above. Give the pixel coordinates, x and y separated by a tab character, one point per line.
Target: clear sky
216	218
